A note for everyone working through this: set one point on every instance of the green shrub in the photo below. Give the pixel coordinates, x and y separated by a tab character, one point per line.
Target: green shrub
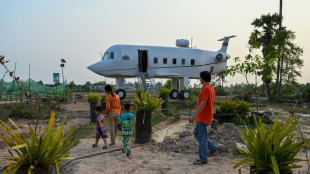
93	98
147	103
306	94
195	91
51	146
220	91
164	92
67	97
19	110
236	107
52	105
272	150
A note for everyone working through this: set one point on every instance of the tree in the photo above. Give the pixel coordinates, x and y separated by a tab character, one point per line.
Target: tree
72	85
168	84
289	60
40	82
101	83
281	57
252	65
219	78
57	83
265	28
159	85
85	87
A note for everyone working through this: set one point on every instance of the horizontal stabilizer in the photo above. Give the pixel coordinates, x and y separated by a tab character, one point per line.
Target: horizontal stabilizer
225	43
227	37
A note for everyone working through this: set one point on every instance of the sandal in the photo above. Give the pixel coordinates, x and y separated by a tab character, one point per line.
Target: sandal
129	155
104	147
94	145
199	162
212	153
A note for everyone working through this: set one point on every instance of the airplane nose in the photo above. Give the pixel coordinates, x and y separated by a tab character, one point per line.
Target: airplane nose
94	67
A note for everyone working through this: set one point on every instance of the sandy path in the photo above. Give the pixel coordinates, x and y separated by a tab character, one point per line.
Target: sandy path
146	159
79	106
169	130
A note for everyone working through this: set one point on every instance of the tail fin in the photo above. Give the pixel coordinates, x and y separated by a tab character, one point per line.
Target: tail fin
225	43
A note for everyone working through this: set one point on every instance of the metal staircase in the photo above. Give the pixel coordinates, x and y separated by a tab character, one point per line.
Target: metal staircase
147	83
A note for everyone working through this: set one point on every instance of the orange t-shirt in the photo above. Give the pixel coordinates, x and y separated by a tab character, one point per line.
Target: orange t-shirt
113	104
206	115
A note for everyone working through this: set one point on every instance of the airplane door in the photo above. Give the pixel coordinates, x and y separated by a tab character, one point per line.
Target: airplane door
143	59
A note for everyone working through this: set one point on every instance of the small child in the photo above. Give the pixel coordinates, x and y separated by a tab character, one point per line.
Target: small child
100	130
125	124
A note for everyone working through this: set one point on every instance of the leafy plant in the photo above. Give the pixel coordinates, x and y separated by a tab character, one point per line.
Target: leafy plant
147	103
49	148
272	150
66	95
139	92
237	107
164	92
93	98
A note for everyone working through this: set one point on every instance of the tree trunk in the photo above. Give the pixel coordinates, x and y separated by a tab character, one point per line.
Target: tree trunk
143	127
281	72
92	112
277	89
235	120
268	91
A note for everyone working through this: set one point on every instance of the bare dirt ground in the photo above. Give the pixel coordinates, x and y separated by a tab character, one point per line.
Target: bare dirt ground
146	159
152	159
157	157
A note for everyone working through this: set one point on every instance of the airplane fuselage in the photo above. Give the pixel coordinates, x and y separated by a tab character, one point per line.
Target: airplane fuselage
158	61
178	63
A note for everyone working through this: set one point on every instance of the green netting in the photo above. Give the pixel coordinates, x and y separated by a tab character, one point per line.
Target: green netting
11	90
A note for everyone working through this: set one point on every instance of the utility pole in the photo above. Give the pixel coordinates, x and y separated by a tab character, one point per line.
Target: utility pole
29	78
280	60
280	26
62	65
281	56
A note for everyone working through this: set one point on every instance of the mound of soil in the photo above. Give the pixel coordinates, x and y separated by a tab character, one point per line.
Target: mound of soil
227	135
188	144
185	145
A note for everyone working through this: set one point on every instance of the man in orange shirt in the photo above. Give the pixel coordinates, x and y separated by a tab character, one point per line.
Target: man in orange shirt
203	117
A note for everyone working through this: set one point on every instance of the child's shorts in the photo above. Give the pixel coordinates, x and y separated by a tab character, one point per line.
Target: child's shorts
100	133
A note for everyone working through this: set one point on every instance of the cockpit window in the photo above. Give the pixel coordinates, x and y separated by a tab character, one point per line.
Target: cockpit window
105	56
111	55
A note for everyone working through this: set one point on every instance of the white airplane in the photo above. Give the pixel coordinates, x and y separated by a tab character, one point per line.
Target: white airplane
179	63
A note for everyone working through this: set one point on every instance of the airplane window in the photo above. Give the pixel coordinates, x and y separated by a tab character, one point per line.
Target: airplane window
155	60
126	57
174	61
183	61
165	60
192	61
105	56
111	55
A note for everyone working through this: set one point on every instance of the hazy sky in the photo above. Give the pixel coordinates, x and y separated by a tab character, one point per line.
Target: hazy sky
43	32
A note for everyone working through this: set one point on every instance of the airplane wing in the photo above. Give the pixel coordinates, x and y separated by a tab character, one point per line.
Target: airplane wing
168	74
